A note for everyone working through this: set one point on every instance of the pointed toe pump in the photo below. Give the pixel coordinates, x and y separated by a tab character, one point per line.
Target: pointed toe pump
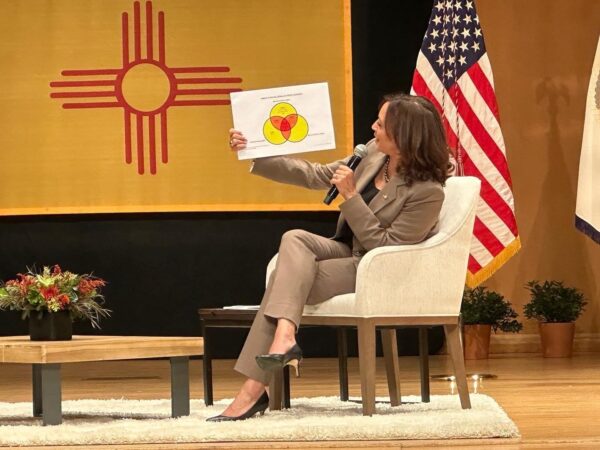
258	408
273	361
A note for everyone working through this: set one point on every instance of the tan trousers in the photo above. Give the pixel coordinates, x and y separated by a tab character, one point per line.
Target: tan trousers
310	269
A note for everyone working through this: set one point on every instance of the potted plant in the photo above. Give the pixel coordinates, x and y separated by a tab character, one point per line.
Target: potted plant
556	307
483	311
52	299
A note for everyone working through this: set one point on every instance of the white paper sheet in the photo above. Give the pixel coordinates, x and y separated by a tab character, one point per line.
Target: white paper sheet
284	120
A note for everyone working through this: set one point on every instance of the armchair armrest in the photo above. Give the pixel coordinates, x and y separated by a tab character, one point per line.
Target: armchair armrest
409	280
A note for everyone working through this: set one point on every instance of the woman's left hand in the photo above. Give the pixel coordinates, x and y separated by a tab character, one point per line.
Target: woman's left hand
343	179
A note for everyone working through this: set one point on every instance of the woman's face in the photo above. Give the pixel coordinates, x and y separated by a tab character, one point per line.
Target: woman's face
384	142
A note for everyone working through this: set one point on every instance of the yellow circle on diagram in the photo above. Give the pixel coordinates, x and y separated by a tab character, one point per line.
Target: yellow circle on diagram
282	109
297	132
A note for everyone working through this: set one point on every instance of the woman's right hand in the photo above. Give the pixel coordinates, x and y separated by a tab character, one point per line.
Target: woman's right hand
237	141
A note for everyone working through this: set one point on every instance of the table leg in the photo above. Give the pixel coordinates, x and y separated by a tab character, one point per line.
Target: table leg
36	384
206	367
424	363
50	394
342	343
180	386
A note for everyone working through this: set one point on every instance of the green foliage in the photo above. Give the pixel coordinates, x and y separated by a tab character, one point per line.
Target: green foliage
480	306
553	302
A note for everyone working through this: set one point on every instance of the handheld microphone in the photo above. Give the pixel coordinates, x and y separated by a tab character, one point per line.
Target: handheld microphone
360	151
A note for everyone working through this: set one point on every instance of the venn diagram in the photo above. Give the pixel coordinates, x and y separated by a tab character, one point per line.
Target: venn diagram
285	124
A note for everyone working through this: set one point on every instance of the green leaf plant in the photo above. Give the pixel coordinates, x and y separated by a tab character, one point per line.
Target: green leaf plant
552	301
483	307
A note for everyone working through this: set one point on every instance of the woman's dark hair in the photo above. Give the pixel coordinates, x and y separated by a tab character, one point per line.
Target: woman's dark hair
416	128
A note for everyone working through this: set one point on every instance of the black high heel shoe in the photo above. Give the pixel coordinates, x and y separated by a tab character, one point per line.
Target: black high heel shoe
259	407
273	361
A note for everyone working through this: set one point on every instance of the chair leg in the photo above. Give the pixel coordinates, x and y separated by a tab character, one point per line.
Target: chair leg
456	354
366	357
392	368
286	388
276	390
424	363
342	341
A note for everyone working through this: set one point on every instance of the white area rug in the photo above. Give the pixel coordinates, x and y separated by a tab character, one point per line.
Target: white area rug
309	419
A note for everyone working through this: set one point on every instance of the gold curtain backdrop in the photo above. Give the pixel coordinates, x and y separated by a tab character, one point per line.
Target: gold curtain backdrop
122	106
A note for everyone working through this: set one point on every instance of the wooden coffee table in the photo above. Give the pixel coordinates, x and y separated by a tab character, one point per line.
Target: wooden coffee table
46	357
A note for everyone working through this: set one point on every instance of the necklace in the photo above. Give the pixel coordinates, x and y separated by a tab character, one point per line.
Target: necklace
386	174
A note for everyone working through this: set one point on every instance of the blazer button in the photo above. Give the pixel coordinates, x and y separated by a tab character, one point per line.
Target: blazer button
357	253
385	196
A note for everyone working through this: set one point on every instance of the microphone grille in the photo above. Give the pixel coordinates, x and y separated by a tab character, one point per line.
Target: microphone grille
360	150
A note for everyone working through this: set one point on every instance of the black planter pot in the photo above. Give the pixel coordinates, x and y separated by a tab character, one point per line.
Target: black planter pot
51	326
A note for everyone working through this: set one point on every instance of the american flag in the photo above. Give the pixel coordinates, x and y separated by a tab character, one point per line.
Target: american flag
453	71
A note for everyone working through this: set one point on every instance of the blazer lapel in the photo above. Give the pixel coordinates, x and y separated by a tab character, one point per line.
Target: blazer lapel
387	194
365	172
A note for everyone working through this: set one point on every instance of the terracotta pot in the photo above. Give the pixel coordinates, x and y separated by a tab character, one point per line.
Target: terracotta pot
476	341
557	339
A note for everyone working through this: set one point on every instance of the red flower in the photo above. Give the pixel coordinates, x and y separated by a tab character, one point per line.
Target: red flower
49	292
64	300
87	286
22	283
56	270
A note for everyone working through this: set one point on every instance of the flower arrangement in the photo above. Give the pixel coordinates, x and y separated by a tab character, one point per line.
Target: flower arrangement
55	290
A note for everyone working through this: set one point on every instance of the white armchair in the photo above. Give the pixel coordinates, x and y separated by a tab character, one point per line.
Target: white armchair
408	285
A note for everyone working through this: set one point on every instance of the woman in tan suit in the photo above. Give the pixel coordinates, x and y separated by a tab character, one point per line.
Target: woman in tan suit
394	197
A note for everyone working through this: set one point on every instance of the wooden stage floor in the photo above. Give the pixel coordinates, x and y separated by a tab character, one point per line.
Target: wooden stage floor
554	402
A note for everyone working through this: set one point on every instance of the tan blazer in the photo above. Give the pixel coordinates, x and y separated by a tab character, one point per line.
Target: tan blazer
397	215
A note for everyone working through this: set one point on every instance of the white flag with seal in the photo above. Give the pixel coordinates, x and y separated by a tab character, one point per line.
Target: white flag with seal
587	211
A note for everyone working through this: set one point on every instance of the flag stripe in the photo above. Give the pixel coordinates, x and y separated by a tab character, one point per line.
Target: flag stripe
206	91
481	105
125	38
491	196
432	88
82	94
496	202
478	131
149	38
486	68
487	238
164	146
161	37
484	87
140	142
480	254
127	133
200	69
498	227
152	143
137	33
473	265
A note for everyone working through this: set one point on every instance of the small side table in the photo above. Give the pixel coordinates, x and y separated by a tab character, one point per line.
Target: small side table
243	318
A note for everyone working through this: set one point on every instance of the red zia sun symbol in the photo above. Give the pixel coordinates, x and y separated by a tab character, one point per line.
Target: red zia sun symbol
127	87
